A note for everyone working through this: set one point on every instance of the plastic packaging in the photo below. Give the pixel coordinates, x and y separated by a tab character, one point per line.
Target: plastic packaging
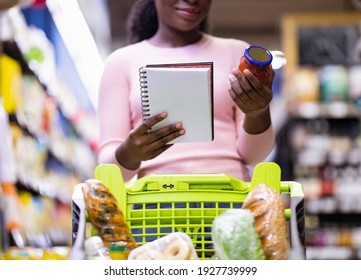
174	246
95	249
270	222
105	215
235	237
258	60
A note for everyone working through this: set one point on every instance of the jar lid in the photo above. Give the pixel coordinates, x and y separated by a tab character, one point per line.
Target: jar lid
258	55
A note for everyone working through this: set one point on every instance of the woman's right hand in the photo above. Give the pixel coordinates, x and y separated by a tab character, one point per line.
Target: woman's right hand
141	144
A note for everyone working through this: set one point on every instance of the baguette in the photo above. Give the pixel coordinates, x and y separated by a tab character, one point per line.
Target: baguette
105	215
268	212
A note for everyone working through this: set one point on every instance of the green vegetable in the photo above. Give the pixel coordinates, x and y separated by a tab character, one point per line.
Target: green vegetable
235	237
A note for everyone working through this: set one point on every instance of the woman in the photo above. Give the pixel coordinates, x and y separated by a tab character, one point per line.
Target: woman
174	31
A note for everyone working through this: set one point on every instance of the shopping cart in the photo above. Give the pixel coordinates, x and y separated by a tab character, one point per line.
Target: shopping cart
157	205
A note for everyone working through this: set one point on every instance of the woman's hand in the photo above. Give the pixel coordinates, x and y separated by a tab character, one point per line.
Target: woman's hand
253	98
141	144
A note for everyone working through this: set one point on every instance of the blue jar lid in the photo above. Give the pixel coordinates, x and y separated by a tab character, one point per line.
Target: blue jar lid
258	55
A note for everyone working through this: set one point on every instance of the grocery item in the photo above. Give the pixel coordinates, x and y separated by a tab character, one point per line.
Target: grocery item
174	246
118	250
150	255
177	250
105	215
95	249
269	219
333	83
235	237
354	84
34	253
12	213
258	60
305	86
4	240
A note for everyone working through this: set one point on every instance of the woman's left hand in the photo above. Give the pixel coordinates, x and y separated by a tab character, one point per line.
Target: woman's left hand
253	98
249	94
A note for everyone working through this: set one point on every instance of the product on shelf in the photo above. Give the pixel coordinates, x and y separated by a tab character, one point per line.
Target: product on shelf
10	83
105	215
235	237
270	222
334	83
174	246
354	85
53	150
305	86
13	221
31	253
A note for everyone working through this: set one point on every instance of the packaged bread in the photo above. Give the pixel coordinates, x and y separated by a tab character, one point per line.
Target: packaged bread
270	222
174	246
105	215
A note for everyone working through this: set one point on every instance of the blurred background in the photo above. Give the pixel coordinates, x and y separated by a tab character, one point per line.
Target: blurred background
51	58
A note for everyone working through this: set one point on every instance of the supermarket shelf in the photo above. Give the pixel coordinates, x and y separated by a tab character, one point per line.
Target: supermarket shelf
54	136
12	49
332	253
334	110
338	218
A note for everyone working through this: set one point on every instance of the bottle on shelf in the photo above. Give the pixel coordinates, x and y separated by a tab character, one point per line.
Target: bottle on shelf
95	249
4	241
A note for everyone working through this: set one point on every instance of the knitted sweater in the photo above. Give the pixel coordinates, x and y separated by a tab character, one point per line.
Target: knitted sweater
119	111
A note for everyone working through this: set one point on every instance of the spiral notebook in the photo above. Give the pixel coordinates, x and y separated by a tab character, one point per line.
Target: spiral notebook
185	92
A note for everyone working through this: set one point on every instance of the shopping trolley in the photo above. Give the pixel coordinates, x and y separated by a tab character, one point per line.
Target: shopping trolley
157	205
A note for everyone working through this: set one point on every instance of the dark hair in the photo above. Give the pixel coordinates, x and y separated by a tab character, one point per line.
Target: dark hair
142	21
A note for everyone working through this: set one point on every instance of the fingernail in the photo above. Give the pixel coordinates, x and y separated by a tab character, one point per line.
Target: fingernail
181	132
246	71
178	125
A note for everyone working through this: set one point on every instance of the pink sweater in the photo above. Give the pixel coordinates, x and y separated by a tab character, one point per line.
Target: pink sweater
119	112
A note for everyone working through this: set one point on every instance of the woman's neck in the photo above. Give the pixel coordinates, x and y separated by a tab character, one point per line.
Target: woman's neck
175	40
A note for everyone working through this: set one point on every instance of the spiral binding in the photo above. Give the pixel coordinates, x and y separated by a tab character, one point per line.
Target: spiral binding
144	94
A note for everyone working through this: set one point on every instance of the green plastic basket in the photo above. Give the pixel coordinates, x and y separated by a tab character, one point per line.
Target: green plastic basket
157	205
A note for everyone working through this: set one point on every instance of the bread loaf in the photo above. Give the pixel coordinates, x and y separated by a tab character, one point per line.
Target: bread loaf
270	222
105	215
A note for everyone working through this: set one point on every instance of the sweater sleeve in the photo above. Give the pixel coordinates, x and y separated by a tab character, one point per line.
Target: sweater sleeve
254	148
114	112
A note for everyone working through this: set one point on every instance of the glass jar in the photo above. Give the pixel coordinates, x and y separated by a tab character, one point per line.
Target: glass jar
258	60
119	250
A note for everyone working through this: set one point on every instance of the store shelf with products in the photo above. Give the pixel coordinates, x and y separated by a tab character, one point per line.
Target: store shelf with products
53	136
40	125
320	145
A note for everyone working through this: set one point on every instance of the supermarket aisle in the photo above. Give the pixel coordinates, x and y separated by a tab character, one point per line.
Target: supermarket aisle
51	133
48	91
